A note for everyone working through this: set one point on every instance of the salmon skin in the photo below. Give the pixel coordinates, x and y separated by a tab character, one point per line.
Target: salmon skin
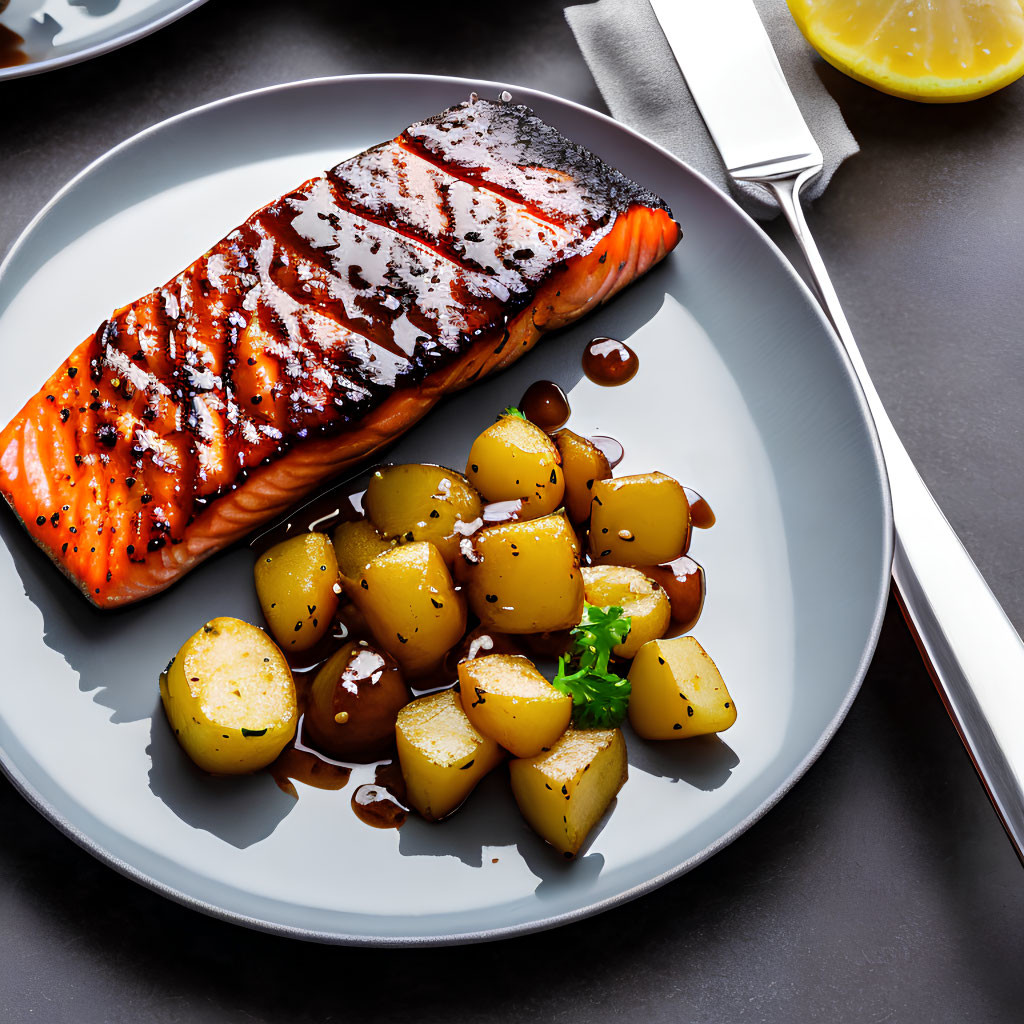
315	334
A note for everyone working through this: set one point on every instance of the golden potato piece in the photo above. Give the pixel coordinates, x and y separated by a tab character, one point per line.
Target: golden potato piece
514	458
638	520
410	605
353	703
677	692
441	755
295	584
583	463
420	502
639	597
356	543
507	699
564	793
229	697
526	576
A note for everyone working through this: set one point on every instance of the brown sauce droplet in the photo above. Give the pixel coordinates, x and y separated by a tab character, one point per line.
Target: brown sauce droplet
11	53
612	449
381	803
299	763
609	362
545	404
683	580
701	516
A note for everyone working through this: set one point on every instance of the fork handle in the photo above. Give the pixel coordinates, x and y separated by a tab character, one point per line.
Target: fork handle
973	652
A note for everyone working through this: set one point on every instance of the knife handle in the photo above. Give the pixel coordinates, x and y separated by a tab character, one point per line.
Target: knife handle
973	652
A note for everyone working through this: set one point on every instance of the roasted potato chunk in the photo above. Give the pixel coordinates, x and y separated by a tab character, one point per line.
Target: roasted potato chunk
564	792
356	543
583	463
441	754
354	702
507	699
419	502
514	458
410	604
229	697
677	692
295	584
639	597
639	520
526	576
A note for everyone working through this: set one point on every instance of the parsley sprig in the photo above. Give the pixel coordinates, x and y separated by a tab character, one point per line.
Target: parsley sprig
513	411
599	696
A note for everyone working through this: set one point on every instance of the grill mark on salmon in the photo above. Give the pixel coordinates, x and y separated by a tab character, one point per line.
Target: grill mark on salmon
314	334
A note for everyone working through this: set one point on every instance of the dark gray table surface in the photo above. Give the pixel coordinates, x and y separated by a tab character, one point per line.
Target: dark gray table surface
881	888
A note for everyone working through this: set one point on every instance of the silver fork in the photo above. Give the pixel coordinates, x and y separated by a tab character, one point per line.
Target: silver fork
971	648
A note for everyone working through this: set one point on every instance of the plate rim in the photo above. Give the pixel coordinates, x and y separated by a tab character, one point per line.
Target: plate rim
37	67
92	846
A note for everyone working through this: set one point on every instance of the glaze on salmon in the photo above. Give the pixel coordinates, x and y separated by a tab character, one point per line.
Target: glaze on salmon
314	334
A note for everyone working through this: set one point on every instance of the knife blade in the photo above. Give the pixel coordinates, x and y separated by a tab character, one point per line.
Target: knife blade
971	649
743	96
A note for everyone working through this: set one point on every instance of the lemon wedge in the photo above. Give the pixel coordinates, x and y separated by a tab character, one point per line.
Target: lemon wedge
935	51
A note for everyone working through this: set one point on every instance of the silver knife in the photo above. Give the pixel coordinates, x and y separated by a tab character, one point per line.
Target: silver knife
972	650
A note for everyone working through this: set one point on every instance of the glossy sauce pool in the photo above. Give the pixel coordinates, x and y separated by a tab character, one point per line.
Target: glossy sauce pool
609	362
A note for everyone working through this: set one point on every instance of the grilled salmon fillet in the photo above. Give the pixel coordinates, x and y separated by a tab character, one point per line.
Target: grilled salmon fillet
314	334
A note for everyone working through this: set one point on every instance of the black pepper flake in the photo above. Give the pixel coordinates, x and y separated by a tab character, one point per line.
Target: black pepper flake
607	551
95	406
64	551
468	764
55	519
554	477
689	711
546	786
402	639
298	626
146	499
40	520
256	399
602	257
51	398
97	590
661	661
410	535
677	726
156	544
492	598
310	608
251	360
64	415
440	604
475	469
72	371
364	584
434	514
72	529
590	484
130	549
565	792
78	460
110	575
65	508
480	698
726	703
129	481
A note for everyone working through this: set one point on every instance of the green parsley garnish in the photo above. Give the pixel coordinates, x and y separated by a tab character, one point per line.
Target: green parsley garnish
599	696
513	411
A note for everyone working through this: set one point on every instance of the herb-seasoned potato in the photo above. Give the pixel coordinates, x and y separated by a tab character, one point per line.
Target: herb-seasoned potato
514	458
526	577
677	692
356	543
507	699
295	584
639	520
410	605
442	756
639	597
564	792
229	697
354	702
582	463
419	502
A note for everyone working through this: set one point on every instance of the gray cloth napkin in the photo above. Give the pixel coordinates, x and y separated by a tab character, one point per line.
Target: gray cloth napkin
640	81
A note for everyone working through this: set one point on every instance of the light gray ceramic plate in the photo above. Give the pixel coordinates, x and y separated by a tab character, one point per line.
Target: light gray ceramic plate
61	32
742	393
